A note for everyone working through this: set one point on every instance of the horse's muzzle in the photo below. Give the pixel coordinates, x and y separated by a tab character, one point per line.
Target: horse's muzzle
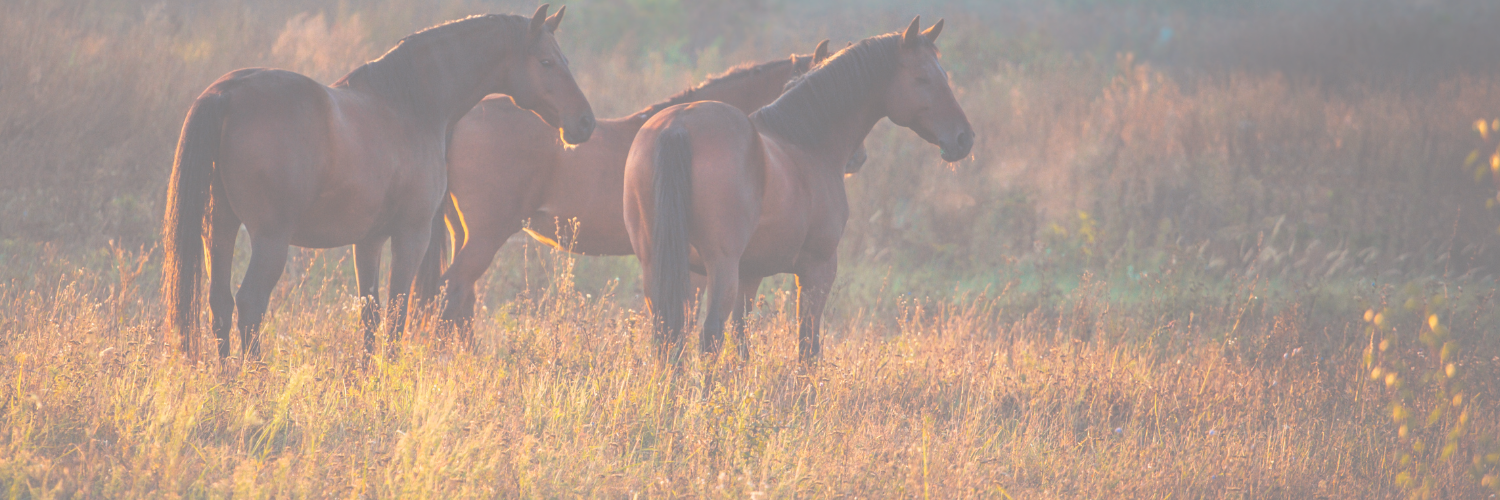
580	131
958	148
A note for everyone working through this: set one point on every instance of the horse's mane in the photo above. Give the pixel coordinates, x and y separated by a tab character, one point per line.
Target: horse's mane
391	73
841	81
732	74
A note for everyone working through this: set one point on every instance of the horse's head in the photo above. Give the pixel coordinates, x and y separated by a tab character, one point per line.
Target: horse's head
920	99
545	85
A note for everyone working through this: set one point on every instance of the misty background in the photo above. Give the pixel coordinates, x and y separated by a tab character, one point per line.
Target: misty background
1298	141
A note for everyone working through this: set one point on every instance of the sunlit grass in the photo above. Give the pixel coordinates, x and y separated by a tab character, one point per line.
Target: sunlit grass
969	397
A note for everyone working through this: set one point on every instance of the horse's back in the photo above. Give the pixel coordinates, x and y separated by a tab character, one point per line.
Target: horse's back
260	96
722	136
726	171
311	163
276	121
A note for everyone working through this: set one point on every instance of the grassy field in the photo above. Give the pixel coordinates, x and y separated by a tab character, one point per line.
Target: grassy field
1181	392
1200	251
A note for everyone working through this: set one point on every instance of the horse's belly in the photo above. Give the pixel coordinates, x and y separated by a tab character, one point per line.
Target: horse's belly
601	232
772	250
336	226
768	265
343	215
783	244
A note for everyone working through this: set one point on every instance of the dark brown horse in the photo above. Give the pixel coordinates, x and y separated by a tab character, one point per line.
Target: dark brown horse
742	197
505	166
359	162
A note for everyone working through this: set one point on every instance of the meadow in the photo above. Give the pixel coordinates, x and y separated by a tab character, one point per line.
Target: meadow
1200	250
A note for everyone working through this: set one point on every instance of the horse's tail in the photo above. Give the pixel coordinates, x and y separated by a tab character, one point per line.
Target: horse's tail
673	187
183	225
447	235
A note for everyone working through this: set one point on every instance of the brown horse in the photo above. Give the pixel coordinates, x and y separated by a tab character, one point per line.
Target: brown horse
505	166
742	197
359	162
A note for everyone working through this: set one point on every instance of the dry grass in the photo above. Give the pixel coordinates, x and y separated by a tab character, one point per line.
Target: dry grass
968	398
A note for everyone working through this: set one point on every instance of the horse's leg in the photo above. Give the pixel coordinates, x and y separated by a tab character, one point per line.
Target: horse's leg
723	294
469	264
226	228
430	271
749	286
814	281
367	276
406	254
697	284
267	261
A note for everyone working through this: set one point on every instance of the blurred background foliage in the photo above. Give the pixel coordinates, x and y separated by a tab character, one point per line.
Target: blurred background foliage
1290	140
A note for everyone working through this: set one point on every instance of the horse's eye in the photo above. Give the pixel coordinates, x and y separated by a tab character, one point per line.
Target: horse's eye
546	63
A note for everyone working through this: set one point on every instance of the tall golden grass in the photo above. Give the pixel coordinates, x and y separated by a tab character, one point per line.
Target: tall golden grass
1151	279
965	398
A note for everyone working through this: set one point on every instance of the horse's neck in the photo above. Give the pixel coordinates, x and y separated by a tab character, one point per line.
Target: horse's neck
844	130
426	91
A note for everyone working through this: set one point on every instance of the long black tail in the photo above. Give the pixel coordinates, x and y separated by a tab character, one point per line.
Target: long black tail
448	234
673	187
183	225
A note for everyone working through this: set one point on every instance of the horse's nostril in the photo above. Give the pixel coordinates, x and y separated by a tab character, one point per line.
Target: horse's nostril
959	147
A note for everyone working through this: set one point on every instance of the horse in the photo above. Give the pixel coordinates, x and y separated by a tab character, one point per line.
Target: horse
506	167
359	162
711	190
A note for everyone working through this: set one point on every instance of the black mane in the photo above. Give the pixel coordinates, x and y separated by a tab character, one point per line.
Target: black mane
841	81
732	74
391	73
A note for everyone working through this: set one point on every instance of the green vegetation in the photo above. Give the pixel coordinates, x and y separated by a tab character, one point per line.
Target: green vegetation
1240	257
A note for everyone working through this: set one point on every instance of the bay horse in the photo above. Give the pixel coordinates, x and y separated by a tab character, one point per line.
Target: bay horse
739	198
506	167
358	162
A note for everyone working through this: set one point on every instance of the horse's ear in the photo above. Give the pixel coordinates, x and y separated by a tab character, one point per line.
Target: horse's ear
557	18
820	53
538	20
930	33
912	30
